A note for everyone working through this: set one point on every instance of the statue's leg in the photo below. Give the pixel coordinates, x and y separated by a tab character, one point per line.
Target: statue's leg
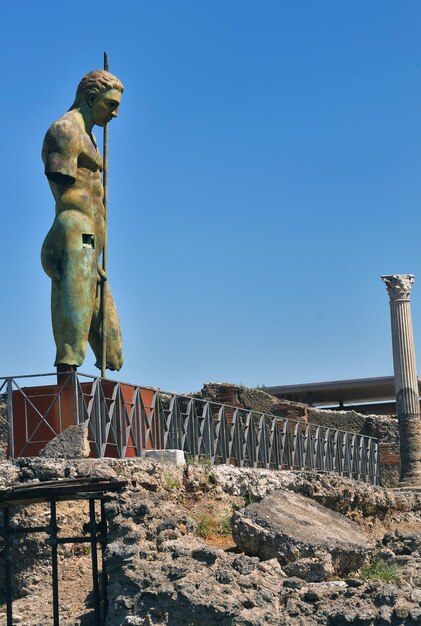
72	268
72	303
114	349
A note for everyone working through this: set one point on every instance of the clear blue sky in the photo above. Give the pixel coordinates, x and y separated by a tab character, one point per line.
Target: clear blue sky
265	169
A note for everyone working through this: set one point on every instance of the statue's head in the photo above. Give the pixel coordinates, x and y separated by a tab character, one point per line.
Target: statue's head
101	92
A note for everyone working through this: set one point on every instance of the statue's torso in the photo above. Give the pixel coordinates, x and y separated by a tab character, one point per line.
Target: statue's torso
69	148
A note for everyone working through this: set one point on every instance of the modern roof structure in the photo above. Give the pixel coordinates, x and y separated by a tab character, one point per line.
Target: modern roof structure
340	392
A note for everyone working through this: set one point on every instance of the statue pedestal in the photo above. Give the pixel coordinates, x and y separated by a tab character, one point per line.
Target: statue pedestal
120	416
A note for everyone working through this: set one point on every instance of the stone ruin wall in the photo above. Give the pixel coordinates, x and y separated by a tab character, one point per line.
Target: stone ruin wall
165	570
385	428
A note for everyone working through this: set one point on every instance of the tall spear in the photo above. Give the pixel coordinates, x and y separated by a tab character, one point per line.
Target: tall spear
104	250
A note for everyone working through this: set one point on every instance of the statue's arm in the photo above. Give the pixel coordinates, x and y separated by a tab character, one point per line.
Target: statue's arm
60	153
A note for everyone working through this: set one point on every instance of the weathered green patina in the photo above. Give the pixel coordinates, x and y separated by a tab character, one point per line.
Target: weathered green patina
72	248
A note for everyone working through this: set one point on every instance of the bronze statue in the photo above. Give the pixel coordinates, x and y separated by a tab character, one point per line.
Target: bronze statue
72	248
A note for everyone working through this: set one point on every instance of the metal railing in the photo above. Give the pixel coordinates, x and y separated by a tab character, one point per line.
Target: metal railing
125	420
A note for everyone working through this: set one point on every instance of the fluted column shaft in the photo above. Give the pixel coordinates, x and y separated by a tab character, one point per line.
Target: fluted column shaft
406	381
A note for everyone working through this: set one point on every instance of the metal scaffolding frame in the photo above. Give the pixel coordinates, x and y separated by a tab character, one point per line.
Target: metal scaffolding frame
51	493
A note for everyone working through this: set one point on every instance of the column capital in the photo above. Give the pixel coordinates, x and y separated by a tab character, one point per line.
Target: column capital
399	286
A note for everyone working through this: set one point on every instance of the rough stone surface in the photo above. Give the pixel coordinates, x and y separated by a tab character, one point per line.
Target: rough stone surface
72	443
165	569
385	428
351	498
309	540
252	399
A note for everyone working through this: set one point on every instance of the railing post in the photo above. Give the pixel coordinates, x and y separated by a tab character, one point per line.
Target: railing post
97	413
76	416
308	454
172	422
286	445
10	417
207	434
377	478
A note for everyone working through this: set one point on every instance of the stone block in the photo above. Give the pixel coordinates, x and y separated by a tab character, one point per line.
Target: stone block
309	540
72	443
170	457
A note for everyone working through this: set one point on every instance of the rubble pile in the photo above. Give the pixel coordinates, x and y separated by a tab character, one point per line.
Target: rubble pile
194	545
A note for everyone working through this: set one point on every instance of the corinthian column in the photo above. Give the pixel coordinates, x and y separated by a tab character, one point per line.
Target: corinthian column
406	381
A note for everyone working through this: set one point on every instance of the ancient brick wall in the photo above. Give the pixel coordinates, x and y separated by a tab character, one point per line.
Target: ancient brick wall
384	428
253	400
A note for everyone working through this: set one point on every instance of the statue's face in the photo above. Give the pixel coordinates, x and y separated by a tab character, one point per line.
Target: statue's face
104	106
